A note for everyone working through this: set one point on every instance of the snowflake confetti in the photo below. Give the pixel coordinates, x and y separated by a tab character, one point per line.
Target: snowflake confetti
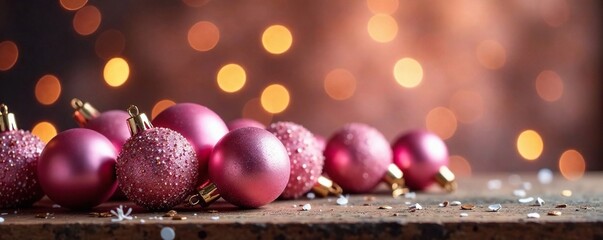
539	201
533	215
526	200
306	207
494	207
342	200
119	213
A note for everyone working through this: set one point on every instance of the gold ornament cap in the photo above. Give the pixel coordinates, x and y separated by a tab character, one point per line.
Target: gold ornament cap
7	120
325	187
84	111
395	179
137	122
446	179
205	196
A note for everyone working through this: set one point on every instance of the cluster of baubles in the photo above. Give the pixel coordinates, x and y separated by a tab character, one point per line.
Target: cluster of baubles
188	154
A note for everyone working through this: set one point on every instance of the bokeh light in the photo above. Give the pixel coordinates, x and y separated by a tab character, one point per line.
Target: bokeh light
253	110
340	84
468	106
275	98
491	54
160	106
48	89
86	20
110	43
277	39
9	53
382	28
382	6
195	3
116	72
549	86
442	122
554	12
203	36
529	144
231	78
44	130
459	166
408	72
572	165
73	5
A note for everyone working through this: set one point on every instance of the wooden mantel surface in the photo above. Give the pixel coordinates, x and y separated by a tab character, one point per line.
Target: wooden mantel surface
361	218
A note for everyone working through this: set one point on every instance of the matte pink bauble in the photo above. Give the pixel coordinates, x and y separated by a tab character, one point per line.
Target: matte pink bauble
243	123
357	157
201	126
420	154
112	125
250	167
77	169
305	156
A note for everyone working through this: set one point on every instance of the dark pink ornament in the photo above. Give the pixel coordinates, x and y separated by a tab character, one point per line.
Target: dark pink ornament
250	167
77	169
19	154
305	156
243	123
357	158
201	126
157	167
423	158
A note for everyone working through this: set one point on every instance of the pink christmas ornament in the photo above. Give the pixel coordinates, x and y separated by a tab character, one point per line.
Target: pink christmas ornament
249	167
77	169
19	154
157	168
357	157
201	126
423	157
305	156
321	141
244	122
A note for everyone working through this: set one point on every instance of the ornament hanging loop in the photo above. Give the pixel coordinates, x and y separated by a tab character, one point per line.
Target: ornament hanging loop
83	111
207	194
7	120
138	122
394	178
325	187
446	179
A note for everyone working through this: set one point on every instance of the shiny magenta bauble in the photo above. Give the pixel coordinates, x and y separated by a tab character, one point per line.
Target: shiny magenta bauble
357	157
19	154
420	154
77	169
243	123
305	156
250	167
157	169
112	125
201	126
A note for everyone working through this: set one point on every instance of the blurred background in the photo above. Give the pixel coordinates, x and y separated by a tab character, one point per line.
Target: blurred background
510	85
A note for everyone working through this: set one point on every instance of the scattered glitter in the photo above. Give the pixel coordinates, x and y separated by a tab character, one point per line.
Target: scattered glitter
539	201
410	195
561	206
342	200
566	193
494	207
119	213
467	206
526	200
45	215
1	219
215	218
527	185
306	207
416	206
464	215
494	184
554	213
310	195
168	233
545	176
56	206
178	217
170	213
455	203
519	193
443	204
385	207
533	215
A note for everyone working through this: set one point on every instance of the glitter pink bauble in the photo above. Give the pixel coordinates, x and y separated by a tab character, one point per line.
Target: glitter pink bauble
77	169
19	154
357	157
157	169
112	125
243	123
201	126
420	154
250	167
304	154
